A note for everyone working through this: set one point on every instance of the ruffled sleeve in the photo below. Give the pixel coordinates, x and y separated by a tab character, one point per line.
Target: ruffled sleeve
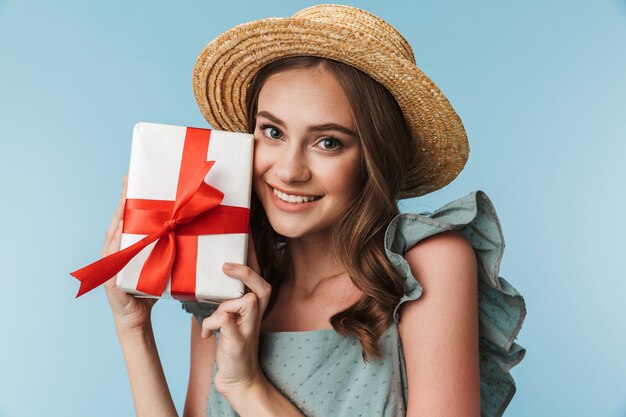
501	308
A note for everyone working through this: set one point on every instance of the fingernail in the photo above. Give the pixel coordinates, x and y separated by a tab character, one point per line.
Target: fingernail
228	267
206	333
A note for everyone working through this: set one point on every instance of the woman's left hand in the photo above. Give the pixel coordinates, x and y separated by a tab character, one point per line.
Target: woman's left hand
239	321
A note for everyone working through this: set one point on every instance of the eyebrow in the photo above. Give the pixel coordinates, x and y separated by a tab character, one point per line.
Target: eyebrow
313	128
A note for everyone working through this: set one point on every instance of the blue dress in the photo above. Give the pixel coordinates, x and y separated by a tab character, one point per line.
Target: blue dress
323	373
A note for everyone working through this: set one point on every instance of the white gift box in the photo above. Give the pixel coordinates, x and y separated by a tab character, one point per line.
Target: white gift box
155	163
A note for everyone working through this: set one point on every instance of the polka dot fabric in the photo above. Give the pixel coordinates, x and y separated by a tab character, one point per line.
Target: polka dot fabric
324	374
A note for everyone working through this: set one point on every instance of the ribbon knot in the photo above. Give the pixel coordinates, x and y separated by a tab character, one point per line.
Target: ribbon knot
175	226
171	225
195	197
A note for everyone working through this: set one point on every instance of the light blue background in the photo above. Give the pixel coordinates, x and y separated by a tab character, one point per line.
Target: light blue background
540	86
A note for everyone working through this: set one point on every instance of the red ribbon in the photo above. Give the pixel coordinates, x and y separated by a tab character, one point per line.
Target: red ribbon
175	225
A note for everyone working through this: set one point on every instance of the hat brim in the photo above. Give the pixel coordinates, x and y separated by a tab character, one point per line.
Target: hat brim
227	65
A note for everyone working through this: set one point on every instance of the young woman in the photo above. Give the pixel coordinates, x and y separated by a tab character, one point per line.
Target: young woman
334	322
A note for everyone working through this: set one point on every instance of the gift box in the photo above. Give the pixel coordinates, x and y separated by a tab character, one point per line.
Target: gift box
186	213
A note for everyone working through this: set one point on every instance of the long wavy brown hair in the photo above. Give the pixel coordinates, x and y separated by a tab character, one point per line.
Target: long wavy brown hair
357	239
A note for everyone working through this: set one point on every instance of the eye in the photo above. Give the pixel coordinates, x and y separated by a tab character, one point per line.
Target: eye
330	143
271	132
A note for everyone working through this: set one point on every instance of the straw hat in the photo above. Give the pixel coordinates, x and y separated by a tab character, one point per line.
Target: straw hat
355	37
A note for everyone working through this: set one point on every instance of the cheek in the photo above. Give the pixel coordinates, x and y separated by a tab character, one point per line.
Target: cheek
262	163
259	161
343	179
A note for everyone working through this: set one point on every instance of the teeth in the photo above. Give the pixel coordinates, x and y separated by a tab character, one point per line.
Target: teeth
293	198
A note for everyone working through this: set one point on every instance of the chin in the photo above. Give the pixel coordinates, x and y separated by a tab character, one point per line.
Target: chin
294	229
290	230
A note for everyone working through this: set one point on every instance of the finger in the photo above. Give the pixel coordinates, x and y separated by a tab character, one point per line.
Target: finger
115	294
119	210
224	322
117	218
110	234
113	241
245	310
212	323
252	280
117	238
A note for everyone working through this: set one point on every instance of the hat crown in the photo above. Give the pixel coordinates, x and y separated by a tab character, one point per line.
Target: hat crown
361	21
228	64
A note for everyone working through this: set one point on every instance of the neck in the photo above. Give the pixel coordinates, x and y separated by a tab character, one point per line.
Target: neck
311	264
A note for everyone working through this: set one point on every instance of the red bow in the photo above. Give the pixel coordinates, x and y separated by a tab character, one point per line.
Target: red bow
196	211
196	198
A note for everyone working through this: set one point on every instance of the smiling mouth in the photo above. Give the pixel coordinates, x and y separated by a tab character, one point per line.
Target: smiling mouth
297	199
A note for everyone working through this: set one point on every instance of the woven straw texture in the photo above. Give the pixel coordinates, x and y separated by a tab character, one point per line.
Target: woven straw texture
355	37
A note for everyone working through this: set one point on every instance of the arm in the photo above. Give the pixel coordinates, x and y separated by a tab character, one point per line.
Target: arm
200	372
151	394
148	385
439	331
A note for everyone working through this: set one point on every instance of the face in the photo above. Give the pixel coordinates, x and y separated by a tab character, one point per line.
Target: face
307	153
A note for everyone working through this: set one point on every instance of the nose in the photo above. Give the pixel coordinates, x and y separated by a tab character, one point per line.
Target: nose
292	166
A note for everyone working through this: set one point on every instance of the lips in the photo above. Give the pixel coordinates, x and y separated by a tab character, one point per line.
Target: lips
294	198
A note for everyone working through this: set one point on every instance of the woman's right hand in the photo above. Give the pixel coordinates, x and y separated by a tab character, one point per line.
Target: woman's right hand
130	313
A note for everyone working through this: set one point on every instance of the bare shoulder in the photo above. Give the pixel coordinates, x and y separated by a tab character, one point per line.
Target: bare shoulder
445	266
439	330
442	252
